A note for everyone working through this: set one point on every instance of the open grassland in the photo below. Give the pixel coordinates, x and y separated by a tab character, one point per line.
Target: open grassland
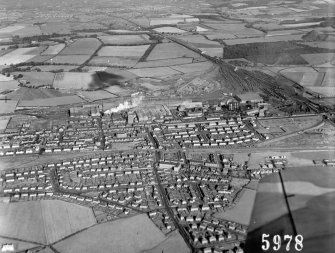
54	49
24	93
170	51
154	72
43	221
112	61
241	212
174	243
85	46
125	39
123	51
74	80
129	235
69	59
37	78
17	56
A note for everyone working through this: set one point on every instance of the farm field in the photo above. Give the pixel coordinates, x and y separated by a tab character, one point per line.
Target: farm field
96	95
198	39
86	46
170	51
165	21
55	27
214	52
17	56
193	67
24	93
117	90
154	72
62	219
77	81
241	212
3	123
169	29
317	59
220	36
49	68
19	246
263	39
320	44
48	102
40	59
164	63
115	75
113	61
69	59
125	39
123	51
43	221
7	106
174	243
129	235
54	49
37	78
8	85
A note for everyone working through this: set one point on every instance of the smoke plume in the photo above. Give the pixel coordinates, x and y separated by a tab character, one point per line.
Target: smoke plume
135	101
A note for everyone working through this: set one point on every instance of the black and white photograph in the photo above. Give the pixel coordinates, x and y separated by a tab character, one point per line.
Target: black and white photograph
167	126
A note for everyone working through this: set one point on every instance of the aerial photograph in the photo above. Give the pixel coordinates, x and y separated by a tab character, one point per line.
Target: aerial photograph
167	126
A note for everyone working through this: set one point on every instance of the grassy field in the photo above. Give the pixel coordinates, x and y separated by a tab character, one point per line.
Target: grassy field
112	61
213	51
85	46
37	78
316	59
48	102
154	72
19	246
123	51
193	67
25	93
169	29
62	219
127	235
174	243
8	85
170	51
54	49
17	56
74	80
43	221
7	106
240	213
125	39
69	59
96	95
47	68
3	123
198	39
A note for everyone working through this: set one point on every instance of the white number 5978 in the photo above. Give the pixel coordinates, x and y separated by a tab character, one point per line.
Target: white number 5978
277	242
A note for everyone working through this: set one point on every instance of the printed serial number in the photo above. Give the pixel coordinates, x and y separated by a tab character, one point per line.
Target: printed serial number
277	242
